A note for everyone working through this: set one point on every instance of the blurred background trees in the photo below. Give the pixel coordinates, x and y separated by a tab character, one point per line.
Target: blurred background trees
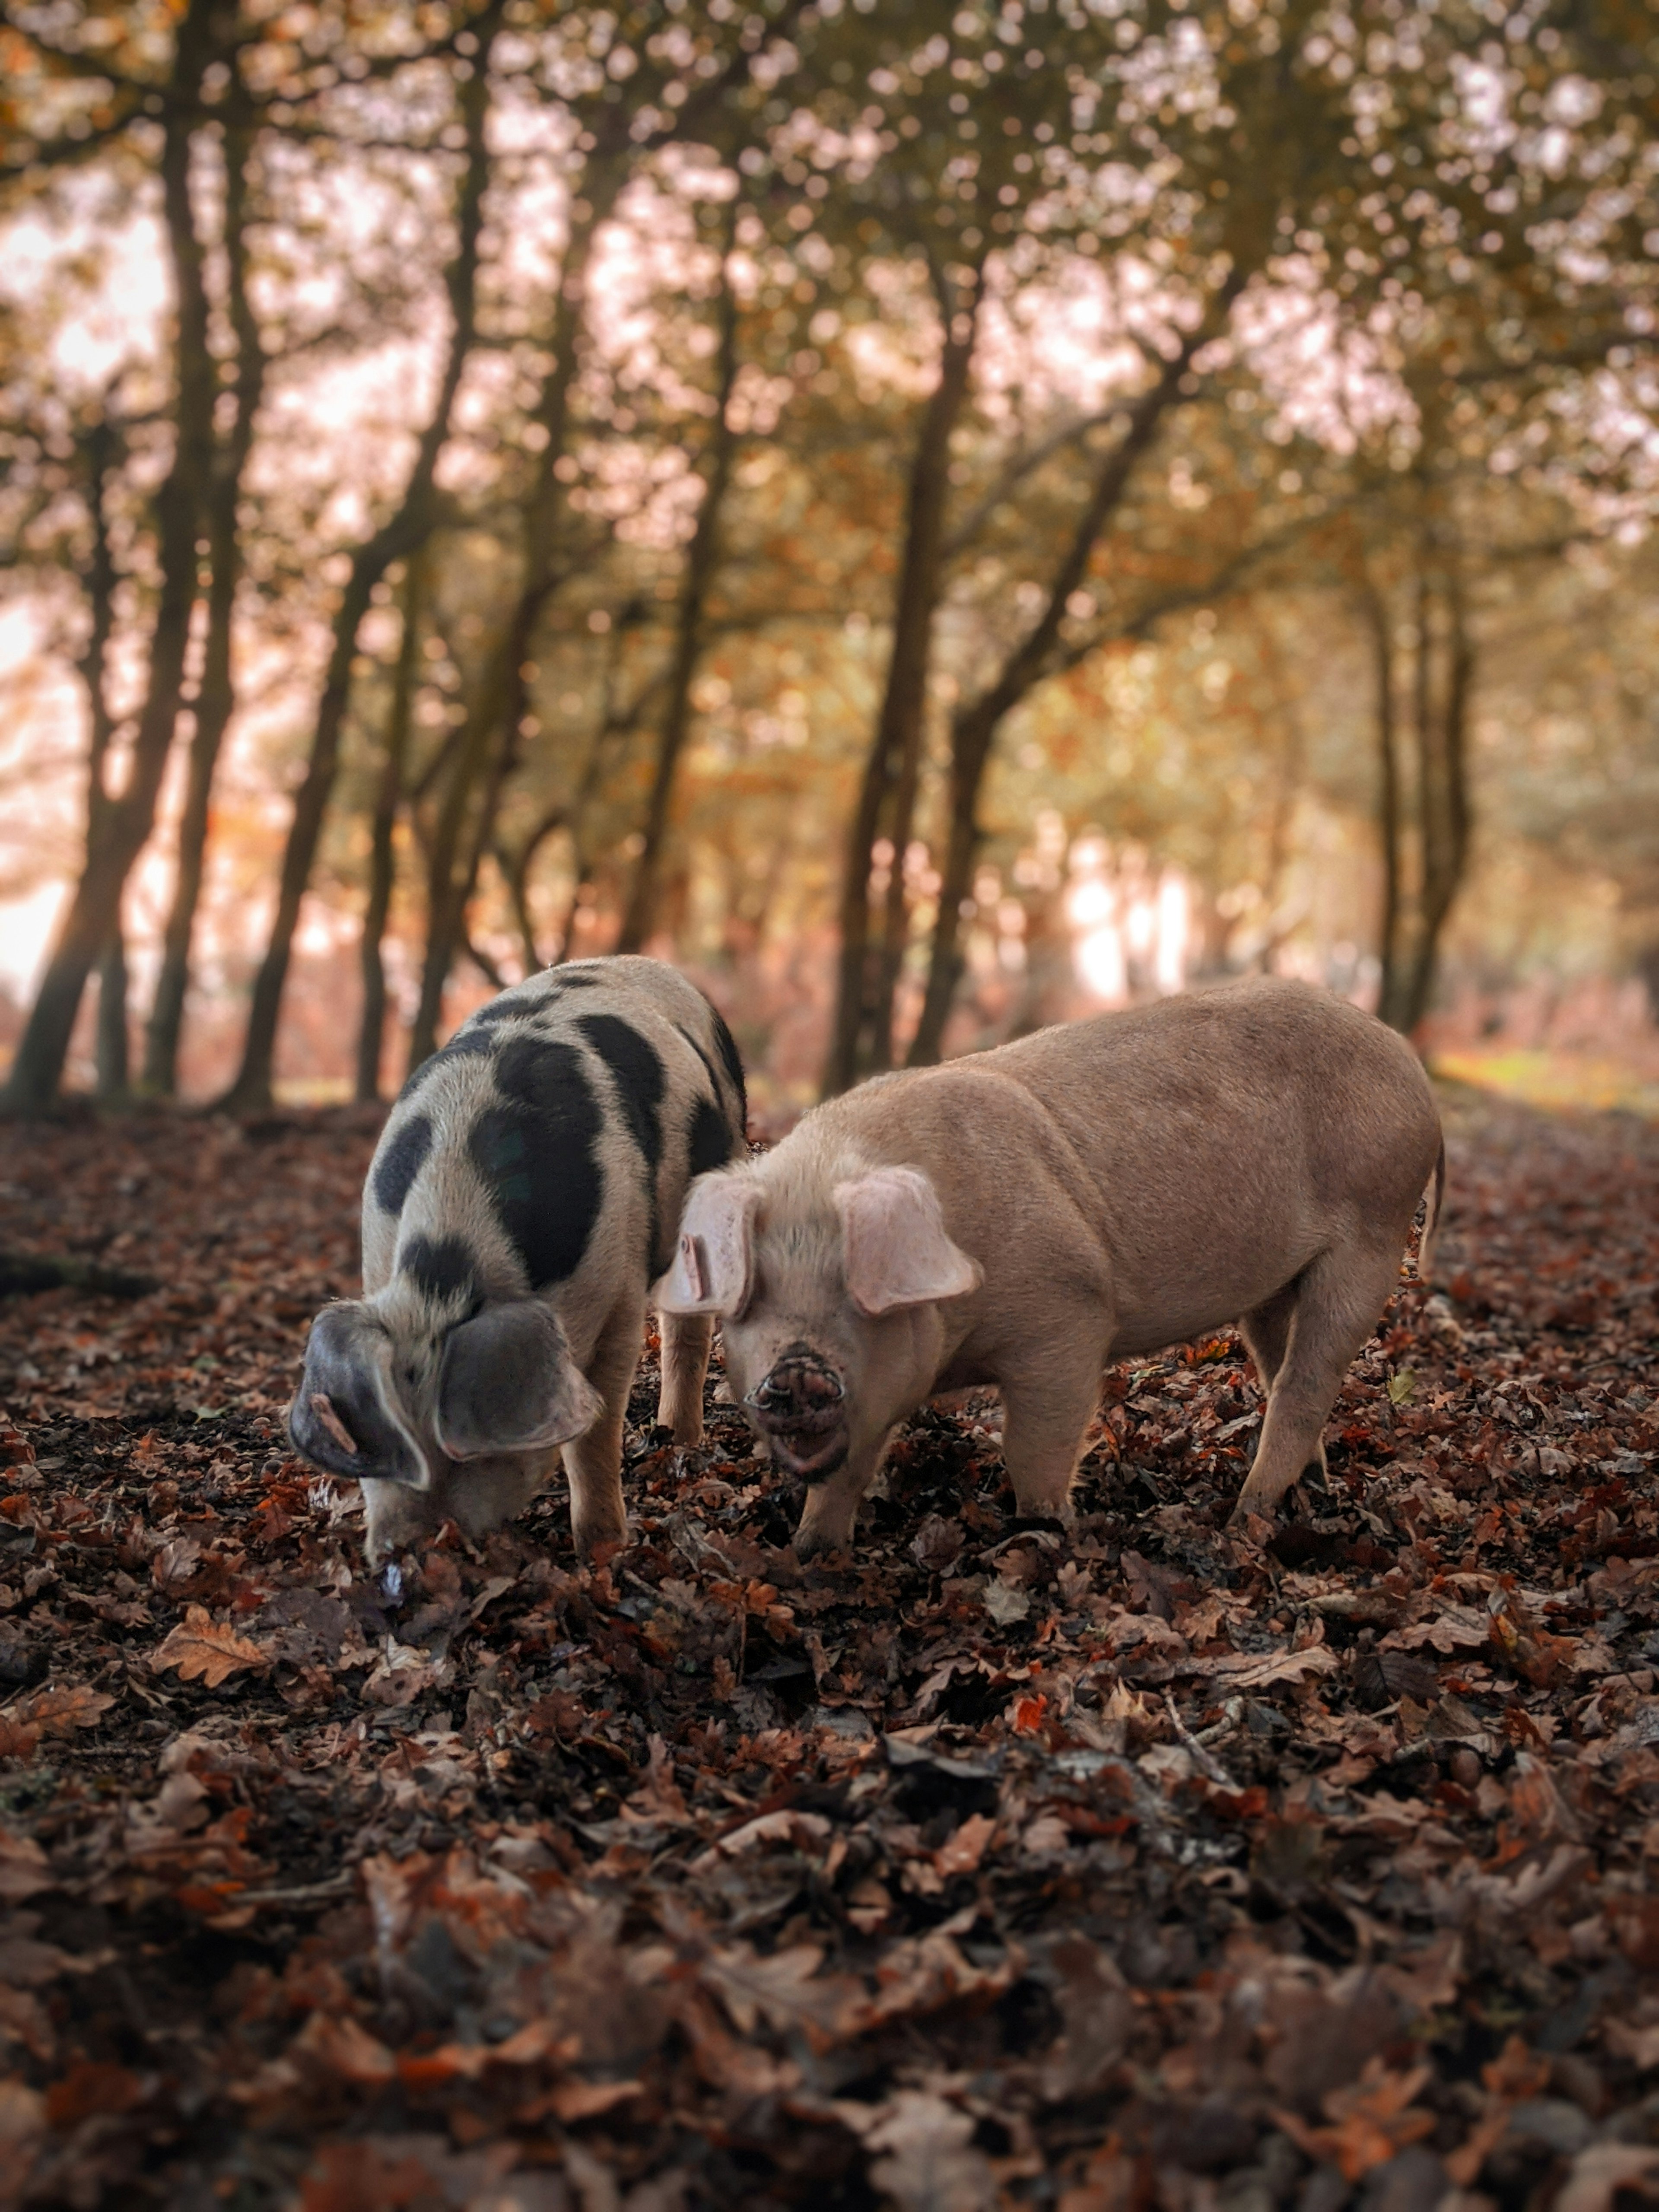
936	516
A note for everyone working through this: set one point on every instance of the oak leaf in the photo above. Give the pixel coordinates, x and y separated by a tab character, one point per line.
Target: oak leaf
201	1647
60	1711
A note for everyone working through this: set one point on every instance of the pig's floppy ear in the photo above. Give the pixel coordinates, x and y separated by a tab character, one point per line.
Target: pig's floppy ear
897	1251
345	1417
508	1383
714	1270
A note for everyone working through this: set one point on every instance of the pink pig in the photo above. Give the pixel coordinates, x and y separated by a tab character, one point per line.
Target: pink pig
1023	1217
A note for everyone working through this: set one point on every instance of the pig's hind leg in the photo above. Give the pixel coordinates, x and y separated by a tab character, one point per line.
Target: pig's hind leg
1266	1330
686	1339
1337	1298
593	1461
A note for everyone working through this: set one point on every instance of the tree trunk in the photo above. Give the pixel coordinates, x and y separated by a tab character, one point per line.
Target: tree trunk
1444	797
617	721
382	869
117	828
216	699
447	888
502	697
974	726
890	769
113	1072
702	559
517	874
1388	815
1432	823
402	534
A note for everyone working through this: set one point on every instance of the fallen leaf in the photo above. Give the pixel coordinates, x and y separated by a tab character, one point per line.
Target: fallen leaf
961	1852
1239	1670
927	2160
342	2046
1371	2122
1597	2175
200	1646
60	1711
1005	1604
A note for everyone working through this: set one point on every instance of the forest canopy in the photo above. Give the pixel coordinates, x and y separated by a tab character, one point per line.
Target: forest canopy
918	511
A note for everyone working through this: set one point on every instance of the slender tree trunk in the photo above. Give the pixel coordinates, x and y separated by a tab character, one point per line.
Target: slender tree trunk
898	739
382	861
113	1072
216	699
503	694
1444	778
974	726
448	887
399	536
517	872
617	722
895	937
1389	822
701	560
118	827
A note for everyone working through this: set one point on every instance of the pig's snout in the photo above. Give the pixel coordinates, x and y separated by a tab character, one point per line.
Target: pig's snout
800	1408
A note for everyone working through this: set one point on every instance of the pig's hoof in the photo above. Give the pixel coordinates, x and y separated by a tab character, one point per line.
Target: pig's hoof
595	1546
811	1546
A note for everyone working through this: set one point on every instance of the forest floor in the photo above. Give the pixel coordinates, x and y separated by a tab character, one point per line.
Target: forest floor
1142	1866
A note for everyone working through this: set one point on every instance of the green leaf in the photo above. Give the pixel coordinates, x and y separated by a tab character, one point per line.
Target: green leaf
1403	1386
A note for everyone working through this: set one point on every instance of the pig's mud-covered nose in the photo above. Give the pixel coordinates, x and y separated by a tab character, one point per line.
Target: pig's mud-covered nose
800	1408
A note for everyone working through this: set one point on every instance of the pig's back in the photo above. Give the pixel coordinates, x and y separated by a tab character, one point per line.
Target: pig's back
547	1145
1213	1144
1278	1069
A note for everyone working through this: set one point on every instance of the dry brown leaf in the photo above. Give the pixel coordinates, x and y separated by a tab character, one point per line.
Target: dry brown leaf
58	1712
787	1991
1240	1670
24	1868
962	1852
1606	2170
201	1647
1371	2122
339	2045
928	2161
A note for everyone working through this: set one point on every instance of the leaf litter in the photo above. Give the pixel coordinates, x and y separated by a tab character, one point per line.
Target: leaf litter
1139	1864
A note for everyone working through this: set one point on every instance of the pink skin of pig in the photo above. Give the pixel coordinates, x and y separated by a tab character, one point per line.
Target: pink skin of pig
1023	1217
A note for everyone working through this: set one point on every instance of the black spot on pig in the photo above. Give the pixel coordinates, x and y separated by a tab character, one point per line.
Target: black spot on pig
638	1069
711	1138
707	1064
469	1045
402	1158
726	1044
439	1266
499	1010
535	1151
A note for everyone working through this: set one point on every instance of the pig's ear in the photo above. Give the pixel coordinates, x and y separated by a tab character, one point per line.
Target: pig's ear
897	1251
508	1383
714	1270
345	1417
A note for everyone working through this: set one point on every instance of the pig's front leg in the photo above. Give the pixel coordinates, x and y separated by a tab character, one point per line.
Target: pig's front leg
1045	1416
594	1459
686	1339
832	1506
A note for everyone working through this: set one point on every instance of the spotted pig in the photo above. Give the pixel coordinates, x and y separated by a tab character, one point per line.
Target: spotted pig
524	1194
